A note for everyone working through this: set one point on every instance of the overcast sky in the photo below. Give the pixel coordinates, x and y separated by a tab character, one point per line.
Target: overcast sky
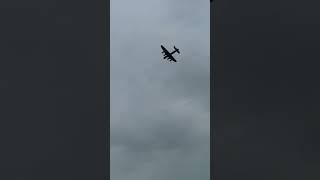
160	110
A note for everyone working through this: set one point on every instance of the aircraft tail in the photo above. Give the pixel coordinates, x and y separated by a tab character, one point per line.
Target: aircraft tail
176	49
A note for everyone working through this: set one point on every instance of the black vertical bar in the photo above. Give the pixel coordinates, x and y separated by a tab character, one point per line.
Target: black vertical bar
54	89
212	66
107	82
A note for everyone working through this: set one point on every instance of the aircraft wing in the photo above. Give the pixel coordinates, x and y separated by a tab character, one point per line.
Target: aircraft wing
172	58
168	54
165	50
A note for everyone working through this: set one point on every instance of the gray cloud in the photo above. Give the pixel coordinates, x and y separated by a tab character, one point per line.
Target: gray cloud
159	110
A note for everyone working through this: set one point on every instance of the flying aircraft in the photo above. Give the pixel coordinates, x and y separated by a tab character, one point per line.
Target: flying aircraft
168	55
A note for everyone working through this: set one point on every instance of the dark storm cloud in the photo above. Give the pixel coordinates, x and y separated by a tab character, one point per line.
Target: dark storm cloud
159	110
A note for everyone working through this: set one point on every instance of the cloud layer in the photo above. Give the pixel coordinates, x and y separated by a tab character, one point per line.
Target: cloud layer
159	110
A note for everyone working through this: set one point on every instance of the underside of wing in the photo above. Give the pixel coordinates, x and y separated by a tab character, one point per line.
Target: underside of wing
165	50
167	54
172	58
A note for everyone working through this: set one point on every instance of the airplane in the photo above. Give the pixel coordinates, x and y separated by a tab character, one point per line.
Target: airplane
168	55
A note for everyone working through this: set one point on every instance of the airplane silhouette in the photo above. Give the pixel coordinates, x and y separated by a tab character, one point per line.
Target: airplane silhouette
168	55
